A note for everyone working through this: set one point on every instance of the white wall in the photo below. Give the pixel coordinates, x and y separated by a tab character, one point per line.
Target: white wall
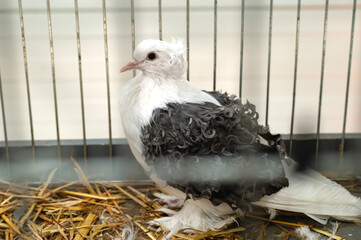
201	61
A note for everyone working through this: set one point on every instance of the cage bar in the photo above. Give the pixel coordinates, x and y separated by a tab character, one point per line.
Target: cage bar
348	84
215	47
133	27
241	54
4	124
187	9
27	78
269	57
80	80
295	74
51	42
160	19
105	29
321	81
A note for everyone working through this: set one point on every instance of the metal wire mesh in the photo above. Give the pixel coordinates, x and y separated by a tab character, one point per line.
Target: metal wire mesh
188	43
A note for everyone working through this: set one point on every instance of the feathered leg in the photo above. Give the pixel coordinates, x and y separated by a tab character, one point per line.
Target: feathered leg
199	215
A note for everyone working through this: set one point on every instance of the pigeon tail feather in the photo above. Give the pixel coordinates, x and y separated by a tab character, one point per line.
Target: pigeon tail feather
313	194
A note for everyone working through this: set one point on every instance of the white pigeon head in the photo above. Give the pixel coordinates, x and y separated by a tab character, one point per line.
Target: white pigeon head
159	58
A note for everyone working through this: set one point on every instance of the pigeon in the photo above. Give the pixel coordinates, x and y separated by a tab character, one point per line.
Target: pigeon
207	148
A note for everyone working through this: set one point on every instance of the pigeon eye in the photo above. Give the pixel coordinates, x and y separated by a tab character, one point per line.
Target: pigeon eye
151	56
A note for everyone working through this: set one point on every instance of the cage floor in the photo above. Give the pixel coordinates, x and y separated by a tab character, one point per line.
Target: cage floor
102	210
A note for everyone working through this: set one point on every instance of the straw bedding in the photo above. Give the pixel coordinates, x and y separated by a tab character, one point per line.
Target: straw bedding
105	210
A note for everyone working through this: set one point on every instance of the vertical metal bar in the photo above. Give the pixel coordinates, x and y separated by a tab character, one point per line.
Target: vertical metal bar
160	19
269	57
321	81
188	39
80	80
105	29
4	124
54	79
215	46
133	28
295	74
348	84
241	60
27	77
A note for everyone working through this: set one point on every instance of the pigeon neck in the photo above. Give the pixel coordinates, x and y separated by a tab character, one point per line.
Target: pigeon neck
159	75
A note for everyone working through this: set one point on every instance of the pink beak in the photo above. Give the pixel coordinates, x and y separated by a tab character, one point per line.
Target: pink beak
130	65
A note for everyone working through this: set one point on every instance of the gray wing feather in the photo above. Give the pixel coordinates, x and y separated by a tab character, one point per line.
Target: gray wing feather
214	152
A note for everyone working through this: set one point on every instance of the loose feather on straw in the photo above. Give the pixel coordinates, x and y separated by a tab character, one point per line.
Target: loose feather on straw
129	232
305	233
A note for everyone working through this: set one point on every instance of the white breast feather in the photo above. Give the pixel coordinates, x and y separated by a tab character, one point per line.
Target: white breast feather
140	96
